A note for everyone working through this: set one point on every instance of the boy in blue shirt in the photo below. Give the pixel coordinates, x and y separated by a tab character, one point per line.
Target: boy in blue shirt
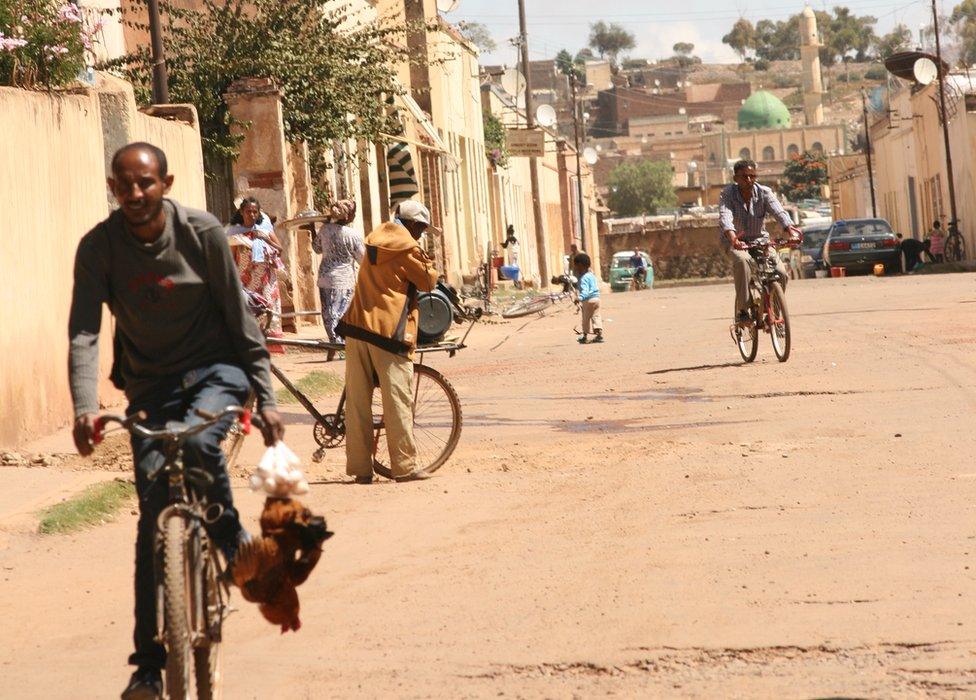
589	298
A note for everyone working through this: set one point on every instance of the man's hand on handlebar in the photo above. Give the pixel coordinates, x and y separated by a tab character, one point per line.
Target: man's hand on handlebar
83	433
735	242
794	235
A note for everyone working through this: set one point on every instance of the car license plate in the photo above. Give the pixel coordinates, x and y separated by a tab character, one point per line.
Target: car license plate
864	246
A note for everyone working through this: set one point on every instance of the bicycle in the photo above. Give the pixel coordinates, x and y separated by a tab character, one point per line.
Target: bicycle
766	307
955	244
437	415
538	303
191	591
638	280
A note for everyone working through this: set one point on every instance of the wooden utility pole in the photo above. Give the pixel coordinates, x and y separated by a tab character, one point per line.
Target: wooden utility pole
867	150
541	243
953	223
160	80
579	168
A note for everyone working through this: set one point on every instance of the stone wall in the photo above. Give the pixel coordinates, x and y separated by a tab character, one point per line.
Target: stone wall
52	191
688	248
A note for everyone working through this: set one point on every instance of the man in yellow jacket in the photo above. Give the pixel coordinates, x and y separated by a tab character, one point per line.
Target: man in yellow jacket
380	328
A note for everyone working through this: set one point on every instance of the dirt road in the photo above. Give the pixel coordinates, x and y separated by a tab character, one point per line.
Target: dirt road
642	518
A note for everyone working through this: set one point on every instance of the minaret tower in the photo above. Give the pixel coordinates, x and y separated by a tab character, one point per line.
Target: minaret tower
810	57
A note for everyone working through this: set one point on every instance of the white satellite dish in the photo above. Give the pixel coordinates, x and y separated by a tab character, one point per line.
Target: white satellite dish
590	156
545	116
513	82
682	110
447	5
925	71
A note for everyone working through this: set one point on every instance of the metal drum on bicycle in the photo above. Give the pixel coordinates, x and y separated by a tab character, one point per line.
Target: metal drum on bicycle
436	313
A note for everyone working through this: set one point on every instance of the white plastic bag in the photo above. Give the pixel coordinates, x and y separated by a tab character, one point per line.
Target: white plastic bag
278	475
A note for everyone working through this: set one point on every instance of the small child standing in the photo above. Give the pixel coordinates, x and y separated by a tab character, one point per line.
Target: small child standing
589	298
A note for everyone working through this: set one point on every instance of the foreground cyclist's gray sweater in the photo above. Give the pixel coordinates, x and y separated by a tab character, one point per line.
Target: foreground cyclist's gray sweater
177	302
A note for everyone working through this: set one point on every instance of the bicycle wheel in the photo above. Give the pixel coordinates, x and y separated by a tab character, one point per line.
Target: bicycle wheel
526	306
235	437
208	658
437	422
955	249
747	336
779	322
176	610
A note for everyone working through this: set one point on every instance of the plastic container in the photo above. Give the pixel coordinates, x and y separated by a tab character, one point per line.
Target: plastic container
838	272
820	274
879	270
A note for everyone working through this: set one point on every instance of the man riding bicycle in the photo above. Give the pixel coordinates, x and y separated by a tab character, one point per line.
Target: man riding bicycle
637	262
743	207
184	340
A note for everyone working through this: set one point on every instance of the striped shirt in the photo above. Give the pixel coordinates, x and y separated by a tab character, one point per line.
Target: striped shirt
748	221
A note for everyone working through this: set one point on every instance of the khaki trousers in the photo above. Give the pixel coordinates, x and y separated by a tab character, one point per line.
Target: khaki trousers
591	315
742	267
395	374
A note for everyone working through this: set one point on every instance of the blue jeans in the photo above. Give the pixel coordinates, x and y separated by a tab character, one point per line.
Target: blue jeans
212	388
335	304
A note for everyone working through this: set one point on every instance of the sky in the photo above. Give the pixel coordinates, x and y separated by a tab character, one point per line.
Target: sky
557	24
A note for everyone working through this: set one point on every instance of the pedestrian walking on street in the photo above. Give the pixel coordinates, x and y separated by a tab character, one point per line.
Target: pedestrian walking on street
937	242
184	340
589	294
512	271
341	248
380	329
257	253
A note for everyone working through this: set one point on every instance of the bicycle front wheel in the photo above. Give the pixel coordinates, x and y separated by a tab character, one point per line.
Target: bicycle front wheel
176	610
526	306
955	249
437	422
779	322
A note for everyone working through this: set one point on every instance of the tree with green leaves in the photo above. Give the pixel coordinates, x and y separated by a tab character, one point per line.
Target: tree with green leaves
963	22
336	81
805	175
742	38
642	187
610	40
898	39
778	40
479	35
683	56
849	34
571	67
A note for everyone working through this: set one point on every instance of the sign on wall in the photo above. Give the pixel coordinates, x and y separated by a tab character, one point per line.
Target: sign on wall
525	143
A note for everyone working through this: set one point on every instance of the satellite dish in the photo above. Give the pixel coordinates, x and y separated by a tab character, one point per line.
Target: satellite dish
513	82
692	166
925	71
447	5
590	156
682	110
545	115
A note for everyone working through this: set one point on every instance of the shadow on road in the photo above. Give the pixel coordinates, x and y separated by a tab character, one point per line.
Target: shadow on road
695	368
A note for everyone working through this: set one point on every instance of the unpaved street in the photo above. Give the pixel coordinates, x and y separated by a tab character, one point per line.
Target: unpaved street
643	518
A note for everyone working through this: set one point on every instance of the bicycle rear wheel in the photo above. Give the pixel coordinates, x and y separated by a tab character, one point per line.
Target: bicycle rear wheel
235	438
437	422
955	249
779	322
526	306
176	577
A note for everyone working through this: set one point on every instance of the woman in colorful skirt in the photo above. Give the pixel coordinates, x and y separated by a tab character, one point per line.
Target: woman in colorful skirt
257	253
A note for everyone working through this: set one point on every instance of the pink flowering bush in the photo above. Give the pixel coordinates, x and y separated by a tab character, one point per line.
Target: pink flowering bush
43	43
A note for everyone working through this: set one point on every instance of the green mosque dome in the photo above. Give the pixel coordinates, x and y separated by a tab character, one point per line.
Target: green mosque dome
764	110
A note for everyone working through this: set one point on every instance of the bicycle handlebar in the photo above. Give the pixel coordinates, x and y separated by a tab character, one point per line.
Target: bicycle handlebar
131	423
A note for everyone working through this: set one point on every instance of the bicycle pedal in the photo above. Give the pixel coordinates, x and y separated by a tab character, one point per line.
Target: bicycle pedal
318	455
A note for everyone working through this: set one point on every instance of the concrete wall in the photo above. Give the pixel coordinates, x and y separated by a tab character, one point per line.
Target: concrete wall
686	248
52	191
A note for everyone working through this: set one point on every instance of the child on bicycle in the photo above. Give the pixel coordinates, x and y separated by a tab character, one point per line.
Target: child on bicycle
589	294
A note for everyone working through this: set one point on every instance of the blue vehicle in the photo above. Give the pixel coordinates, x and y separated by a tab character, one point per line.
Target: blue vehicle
811	250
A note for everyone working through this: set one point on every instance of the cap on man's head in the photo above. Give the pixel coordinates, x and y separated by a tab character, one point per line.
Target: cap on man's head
409	210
